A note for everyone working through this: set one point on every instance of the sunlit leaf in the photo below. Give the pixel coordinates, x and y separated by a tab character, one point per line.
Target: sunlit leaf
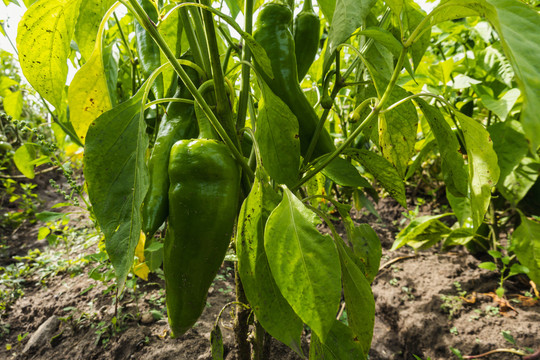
304	263
483	168
88	94
43	40
91	13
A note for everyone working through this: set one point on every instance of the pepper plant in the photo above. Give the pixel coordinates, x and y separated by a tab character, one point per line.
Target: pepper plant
241	129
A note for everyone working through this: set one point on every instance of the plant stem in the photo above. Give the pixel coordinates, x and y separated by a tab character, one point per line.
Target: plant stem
246	56
241	327
191	37
138	11
199	32
375	112
223	105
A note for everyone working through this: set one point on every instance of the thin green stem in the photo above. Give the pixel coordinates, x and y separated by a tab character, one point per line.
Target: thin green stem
375	112
138	11
223	105
200	33
246	56
191	36
166	100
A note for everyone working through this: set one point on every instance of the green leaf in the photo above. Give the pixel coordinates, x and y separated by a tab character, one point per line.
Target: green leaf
216	341
413	16
327	7
43	39
502	106
422	232
343	173
397	131
461	206
117	178
47	216
495	254
526	244
304	263
277	136
272	310
488	266
518	269
43	232
384	172
459	237
358	297
348	16
90	15
518	26
483	168
88	94
516	185
23	158
13	104
510	144
385	38
453	165
367	250
340	345
367	246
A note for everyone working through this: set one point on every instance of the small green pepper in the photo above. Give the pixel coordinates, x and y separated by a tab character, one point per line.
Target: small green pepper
307	28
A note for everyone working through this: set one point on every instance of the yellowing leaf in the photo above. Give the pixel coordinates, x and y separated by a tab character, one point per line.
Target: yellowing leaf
88	95
142	271
139	250
43	40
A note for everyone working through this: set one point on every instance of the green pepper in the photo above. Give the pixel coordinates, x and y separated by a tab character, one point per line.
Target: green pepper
203	200
178	123
273	34
148	50
307	28
5	147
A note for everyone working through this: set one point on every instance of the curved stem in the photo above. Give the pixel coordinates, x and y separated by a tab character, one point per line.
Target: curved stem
167	100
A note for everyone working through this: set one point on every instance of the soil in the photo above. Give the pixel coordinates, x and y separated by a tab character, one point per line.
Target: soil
427	303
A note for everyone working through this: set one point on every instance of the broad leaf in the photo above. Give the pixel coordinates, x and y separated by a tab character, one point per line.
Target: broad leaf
43	40
277	136
397	131
510	144
384	172
117	178
518	26
88	94
343	173
272	310
367	250
91	13
502	106
483	168
348	16
453	165
23	158
526	244
13	104
304	263
341	344
515	186
413	16
422	232
385	38
358	297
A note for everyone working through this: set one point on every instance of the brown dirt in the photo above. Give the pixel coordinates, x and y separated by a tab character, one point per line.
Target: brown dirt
410	294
